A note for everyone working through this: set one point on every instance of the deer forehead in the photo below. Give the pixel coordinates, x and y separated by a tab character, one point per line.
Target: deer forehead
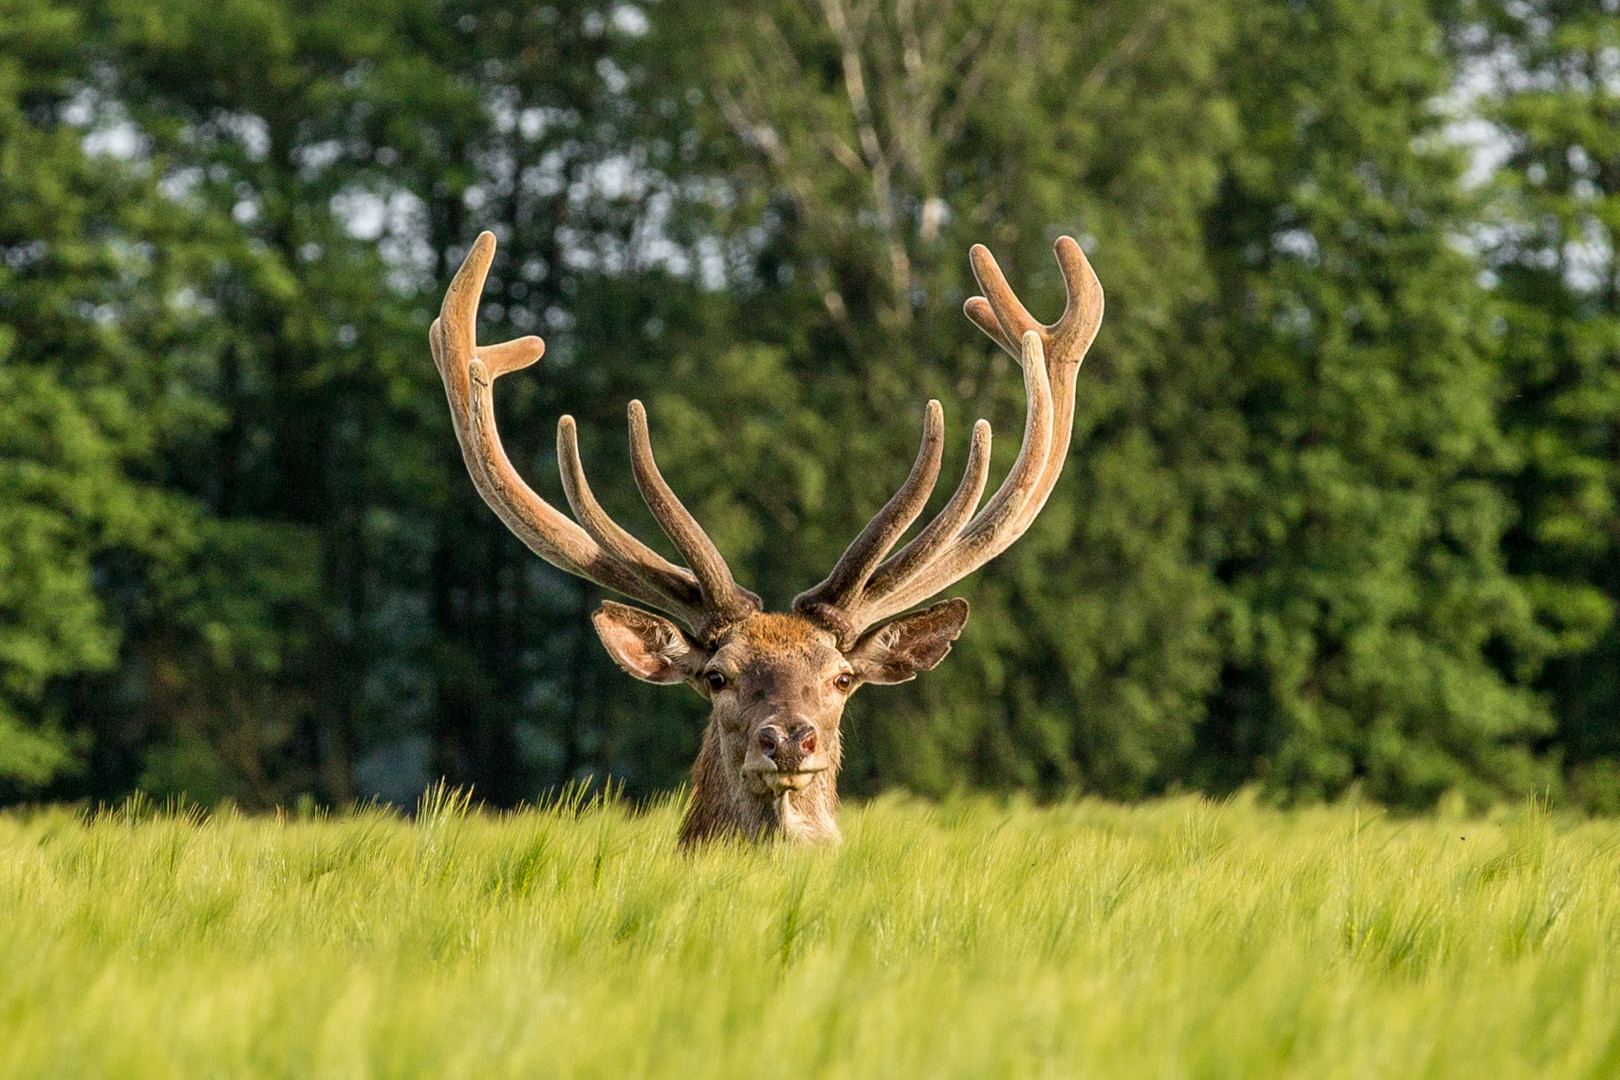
777	642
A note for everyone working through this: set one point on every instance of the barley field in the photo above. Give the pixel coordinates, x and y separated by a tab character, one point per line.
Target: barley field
1181	938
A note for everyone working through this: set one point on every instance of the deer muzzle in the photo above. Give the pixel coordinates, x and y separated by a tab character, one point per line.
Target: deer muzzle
783	757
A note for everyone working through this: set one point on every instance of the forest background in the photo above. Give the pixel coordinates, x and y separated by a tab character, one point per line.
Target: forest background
1341	511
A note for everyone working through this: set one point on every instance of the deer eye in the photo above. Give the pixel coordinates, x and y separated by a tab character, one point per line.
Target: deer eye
715	679
844	681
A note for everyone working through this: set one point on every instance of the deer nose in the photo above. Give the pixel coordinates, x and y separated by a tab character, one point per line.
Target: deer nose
767	742
805	736
787	750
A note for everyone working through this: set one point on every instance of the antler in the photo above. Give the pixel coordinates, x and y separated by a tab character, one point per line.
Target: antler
706	597
864	588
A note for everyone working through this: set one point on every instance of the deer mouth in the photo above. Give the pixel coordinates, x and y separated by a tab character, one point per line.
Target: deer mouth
776	781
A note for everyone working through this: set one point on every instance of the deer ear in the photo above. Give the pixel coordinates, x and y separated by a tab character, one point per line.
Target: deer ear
648	646
896	651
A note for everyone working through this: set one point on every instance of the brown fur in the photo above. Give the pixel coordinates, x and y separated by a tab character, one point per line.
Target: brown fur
774	661
720	808
772	633
777	684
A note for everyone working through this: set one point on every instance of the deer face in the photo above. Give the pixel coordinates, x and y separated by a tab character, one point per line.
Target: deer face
777	685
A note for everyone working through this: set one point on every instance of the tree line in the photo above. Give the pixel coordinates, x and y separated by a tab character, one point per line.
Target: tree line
1341	510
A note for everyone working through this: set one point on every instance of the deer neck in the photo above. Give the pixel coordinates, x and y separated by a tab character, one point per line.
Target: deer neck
721	806
808	816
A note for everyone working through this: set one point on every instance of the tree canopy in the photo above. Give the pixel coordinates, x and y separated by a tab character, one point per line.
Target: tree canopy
1340	510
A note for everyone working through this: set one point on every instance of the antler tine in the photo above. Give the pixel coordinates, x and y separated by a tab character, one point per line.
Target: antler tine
999	312
453	341
953	545
971	547
849	577
946	524
646	563
1067	342
536	522
1082	306
468	382
1063	347
720	590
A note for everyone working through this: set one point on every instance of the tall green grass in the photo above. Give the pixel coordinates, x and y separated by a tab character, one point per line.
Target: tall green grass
1177	939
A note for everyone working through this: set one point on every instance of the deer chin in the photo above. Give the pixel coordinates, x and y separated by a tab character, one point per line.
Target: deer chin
779	781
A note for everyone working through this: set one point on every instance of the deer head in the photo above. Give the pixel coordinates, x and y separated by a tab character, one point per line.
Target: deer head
777	683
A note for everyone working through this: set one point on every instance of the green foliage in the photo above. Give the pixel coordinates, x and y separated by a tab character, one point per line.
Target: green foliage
69	499
82	403
1554	248
1175	938
1339	512
1368	592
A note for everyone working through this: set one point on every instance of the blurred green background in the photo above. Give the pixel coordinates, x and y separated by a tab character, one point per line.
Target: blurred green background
1341	510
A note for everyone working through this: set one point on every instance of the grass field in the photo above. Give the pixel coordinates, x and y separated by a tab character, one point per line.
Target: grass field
1177	939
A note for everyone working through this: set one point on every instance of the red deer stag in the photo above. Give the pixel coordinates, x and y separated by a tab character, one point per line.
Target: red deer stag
777	683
